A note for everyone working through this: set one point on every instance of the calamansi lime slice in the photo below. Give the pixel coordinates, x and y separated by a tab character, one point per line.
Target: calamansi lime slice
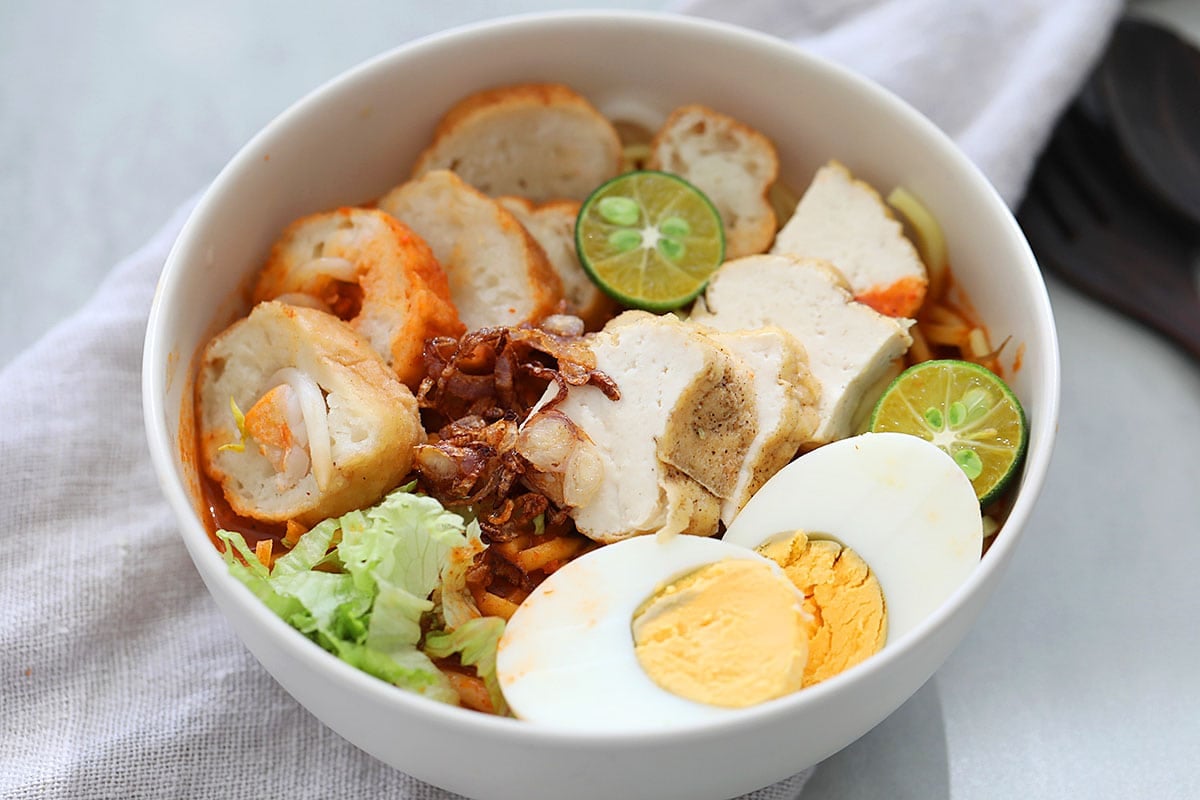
966	410
649	239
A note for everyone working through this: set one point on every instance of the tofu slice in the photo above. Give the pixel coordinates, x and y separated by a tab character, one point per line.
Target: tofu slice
498	274
786	398
543	141
844	221
850	345
553	226
654	460
733	164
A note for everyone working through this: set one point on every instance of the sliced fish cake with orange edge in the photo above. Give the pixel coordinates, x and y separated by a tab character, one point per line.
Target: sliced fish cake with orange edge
369	270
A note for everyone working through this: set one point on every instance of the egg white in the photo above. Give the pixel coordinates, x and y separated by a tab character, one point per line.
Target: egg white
567	657
896	500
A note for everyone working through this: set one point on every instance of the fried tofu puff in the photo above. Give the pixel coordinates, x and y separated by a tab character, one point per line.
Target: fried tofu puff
327	426
368	269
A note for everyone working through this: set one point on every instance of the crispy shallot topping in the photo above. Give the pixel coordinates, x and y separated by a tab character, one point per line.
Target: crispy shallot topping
470	462
476	392
496	372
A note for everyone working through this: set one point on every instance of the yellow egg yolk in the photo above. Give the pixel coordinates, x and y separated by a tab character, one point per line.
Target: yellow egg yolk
730	634
842	597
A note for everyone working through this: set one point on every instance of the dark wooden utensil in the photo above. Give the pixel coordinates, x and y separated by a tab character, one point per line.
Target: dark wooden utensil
1089	221
1149	83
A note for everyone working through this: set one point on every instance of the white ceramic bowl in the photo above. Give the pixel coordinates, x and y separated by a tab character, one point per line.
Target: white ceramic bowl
356	137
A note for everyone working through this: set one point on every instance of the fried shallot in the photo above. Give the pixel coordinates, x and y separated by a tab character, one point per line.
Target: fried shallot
501	372
477	390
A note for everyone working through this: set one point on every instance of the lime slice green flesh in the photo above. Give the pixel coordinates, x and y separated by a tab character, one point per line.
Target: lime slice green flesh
964	409
678	244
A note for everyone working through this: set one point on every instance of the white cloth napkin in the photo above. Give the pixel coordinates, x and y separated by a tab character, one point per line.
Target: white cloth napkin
994	75
120	678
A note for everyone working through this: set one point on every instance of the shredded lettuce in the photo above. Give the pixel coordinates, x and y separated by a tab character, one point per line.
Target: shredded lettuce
475	642
309	550
364	600
403	542
458	606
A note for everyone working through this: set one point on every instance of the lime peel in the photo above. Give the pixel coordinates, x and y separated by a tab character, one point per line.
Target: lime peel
649	240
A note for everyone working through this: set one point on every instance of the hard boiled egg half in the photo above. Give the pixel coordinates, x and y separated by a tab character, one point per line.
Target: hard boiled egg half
652	633
897	501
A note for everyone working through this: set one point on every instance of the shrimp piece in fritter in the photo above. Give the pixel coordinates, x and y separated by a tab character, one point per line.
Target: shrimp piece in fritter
327	426
368	269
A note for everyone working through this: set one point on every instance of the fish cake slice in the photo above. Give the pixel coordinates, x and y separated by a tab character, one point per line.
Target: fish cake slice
553	226
542	141
661	457
733	164
498	273
371	271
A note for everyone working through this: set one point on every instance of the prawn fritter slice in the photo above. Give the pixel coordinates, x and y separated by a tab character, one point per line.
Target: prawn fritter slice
543	141
655	460
498	273
733	164
371	271
328	427
786	397
553	226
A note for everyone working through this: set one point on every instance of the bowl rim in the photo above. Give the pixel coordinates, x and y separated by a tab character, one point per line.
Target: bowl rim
157	367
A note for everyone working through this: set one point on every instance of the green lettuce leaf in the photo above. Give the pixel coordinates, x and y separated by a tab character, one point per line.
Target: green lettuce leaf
369	614
475	642
255	576
396	623
327	599
402	541
309	551
412	671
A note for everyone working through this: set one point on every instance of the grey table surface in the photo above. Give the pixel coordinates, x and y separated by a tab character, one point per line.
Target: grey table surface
1080	679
